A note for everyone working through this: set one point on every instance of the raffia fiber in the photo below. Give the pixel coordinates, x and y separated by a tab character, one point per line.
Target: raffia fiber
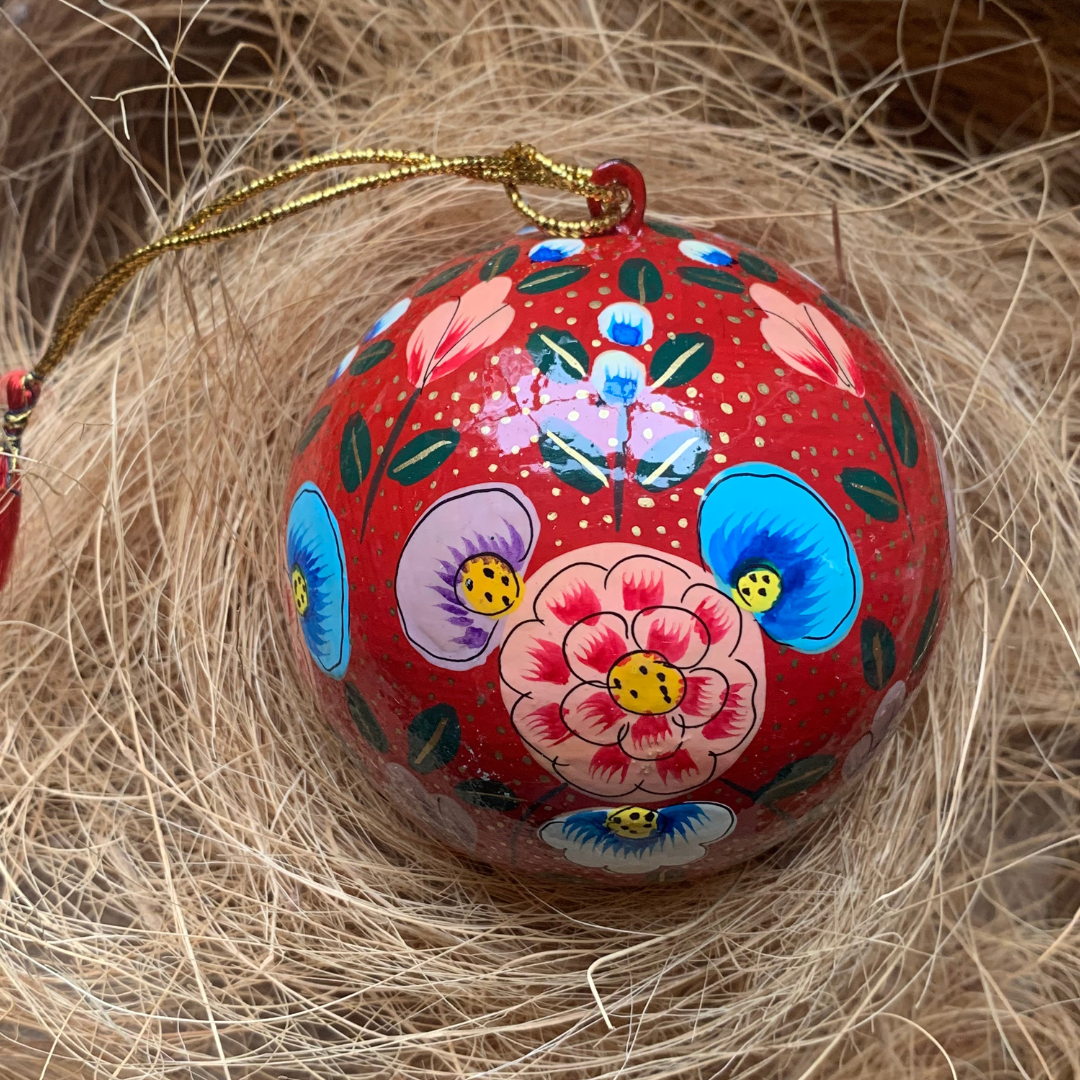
197	880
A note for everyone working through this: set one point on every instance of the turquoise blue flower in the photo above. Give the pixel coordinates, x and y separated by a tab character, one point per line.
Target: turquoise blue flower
318	582
779	551
709	254
637	839
617	377
626	323
388	318
555	250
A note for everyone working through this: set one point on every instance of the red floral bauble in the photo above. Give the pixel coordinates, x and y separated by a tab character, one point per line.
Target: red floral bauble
613	558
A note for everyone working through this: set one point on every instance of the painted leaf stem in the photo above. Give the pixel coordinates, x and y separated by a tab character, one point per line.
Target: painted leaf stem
384	458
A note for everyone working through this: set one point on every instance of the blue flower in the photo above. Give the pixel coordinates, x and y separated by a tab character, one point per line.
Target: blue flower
618	377
637	839
388	318
555	250
779	551
318	582
626	323
709	254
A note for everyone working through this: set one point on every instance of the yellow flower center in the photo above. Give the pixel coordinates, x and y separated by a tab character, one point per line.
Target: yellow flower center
645	683
633	821
489	585
758	589
301	597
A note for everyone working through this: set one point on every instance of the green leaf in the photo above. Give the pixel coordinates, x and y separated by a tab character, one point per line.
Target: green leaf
551	278
364	719
758	267
443	277
673	459
838	309
641	281
574	459
878	653
558	354
355	454
903	432
926	634
421	456
711	278
434	738
680	359
486	794
374	354
872	492
795	777
669	228
499	263
311	429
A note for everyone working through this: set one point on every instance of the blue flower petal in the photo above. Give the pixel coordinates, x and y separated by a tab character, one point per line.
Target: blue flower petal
626	323
349	357
709	254
388	318
618	377
757	513
555	249
313	549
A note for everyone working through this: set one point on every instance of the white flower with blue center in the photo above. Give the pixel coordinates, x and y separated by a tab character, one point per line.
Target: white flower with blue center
555	249
637	839
318	581
626	323
618	377
709	254
388	318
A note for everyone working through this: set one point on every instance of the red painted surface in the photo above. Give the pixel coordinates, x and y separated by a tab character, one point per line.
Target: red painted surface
821	403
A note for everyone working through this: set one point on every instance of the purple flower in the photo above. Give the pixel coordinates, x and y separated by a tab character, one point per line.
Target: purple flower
462	570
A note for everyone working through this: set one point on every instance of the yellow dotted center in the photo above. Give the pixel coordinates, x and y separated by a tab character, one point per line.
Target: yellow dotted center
645	683
301	597
489	585
758	589
633	821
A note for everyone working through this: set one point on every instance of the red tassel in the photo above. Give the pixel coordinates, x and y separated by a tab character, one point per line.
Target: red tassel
20	397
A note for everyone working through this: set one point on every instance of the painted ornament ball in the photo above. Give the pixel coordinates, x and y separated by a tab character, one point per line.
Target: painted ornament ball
613	558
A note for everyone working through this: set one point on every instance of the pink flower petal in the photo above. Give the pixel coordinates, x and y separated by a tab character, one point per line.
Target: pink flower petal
458	330
592	650
609	765
706	691
676	634
567	596
718	617
644	581
651	737
591	714
735	719
676	769
577	603
541	725
803	337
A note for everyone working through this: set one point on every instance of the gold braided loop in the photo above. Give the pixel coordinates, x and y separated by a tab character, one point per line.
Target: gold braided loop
519	166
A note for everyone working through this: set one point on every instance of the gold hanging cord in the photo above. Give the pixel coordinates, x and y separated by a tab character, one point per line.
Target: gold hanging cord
520	165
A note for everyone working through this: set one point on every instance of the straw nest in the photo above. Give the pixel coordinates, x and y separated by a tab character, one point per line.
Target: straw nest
197	881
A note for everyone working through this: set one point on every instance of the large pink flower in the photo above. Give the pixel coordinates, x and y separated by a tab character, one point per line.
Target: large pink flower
803	337
627	672
455	332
